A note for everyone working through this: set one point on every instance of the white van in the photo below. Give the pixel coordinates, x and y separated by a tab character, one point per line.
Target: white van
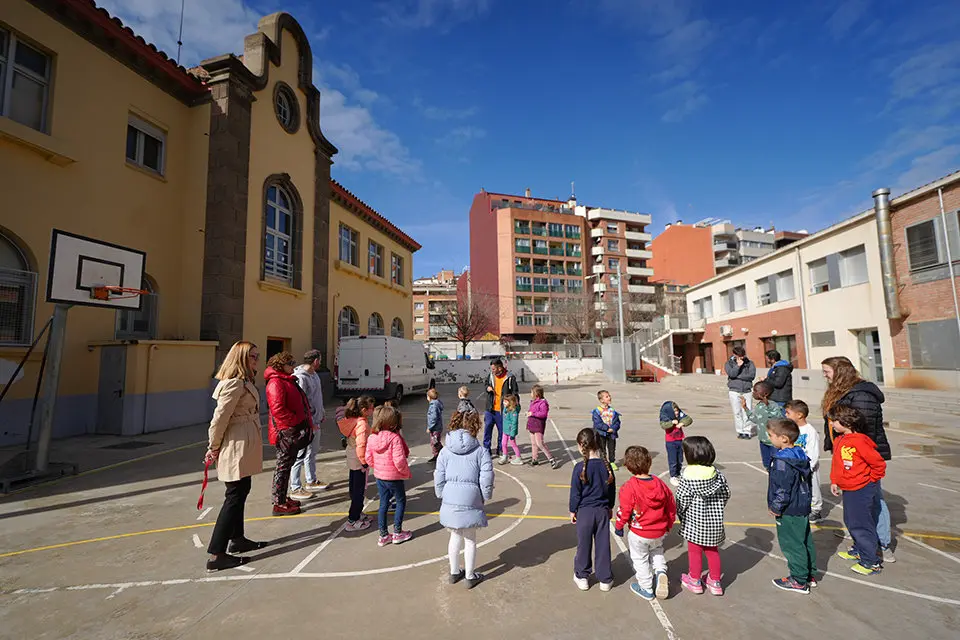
384	367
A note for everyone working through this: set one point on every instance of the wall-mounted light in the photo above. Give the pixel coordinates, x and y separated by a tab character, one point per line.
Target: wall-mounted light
745	329
774	332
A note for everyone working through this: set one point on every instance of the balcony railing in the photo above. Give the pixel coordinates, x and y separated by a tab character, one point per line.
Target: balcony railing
557	271
524	308
556	233
574	253
556	251
541	288
574	235
538	231
523	268
541	251
538	269
574	272
521	249
557	289
523	287
525	230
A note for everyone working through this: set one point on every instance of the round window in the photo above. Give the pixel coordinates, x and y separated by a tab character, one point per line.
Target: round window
286	107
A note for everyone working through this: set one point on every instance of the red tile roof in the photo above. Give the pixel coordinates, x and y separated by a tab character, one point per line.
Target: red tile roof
361	208
125	38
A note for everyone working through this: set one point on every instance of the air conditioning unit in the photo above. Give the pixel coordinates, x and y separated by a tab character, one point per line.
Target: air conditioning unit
726	330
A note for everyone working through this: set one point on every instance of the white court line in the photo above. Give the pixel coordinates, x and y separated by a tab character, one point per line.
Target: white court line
245	569
205	512
936	487
657	609
930	548
757	469
660	475
196	542
873	585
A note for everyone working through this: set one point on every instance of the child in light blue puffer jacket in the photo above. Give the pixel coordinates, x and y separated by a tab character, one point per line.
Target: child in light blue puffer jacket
464	481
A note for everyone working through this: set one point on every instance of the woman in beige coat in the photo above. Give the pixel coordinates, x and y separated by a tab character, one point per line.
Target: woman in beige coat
236	445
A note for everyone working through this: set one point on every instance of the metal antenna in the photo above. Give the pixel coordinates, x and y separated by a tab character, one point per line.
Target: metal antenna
573	191
180	36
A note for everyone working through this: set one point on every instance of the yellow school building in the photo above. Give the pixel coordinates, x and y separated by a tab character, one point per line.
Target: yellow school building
220	174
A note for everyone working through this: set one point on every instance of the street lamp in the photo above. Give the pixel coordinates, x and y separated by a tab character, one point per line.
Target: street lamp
623	346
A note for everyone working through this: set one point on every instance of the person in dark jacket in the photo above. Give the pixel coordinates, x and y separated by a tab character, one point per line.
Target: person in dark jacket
740	374
845	387
780	377
593	493
788	499
500	384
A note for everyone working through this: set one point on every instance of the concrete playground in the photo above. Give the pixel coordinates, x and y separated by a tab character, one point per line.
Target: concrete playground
119	551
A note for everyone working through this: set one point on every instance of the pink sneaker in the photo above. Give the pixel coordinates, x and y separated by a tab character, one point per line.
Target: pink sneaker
713	586
691	584
403	536
383	541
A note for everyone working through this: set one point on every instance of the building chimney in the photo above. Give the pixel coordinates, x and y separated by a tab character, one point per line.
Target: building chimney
881	210
526	192
667	226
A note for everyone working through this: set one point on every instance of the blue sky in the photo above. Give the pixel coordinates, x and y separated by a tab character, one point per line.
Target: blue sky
681	108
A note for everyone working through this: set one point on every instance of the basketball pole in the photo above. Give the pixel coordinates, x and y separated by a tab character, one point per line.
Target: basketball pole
51	385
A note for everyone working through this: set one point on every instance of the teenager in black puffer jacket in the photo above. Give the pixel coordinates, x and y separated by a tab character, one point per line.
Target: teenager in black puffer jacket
866	398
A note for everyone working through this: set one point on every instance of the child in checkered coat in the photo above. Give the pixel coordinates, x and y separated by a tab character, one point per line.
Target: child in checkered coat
701	498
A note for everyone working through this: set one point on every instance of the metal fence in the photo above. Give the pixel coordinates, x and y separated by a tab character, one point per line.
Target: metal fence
18	297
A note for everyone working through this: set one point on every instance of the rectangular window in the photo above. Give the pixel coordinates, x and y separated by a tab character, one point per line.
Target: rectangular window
934	345
775	288
853	266
541	247
575	286
613	263
145	145
521	226
786	345
24	82
740	298
18	295
612	228
557	285
556	230
348	246
418	332
396	269
819	277
541	305
572	231
524	321
703	308
823	339
785	289
541	321
375	256
733	344
418	306
523	283
522	245
613	245
523	304
927	242
541	285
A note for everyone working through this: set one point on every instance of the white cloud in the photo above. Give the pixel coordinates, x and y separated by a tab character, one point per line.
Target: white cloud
210	27
460	136
439	113
441	14
927	168
845	16
686	98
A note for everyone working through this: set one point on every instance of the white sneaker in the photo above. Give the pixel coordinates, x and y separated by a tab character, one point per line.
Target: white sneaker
316	486
581	583
502	460
606	586
663	586
888	556
674	481
517	462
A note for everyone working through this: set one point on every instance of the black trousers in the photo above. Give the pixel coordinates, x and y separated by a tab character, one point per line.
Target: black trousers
358	487
230	521
608	444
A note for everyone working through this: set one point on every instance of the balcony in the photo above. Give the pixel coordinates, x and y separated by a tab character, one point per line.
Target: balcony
720	247
523	268
521	248
642	307
523	288
574	272
538	231
556	233
556	271
639	271
524	308
724	229
521	229
622	216
557	288
638	236
541	288
596	251
641	288
596	233
575	290
540	268
573	234
725	263
556	251
542	251
574	253
642	254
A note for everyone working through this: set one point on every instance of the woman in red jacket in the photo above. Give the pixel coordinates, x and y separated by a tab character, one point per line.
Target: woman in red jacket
290	426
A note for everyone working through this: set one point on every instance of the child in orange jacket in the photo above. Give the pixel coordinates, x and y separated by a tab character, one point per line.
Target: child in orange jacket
856	472
355	427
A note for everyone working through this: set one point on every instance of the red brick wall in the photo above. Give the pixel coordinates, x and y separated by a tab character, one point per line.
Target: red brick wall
919	301
785	321
682	255
484	266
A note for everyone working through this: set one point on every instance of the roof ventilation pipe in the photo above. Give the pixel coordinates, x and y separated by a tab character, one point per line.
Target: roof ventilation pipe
881	209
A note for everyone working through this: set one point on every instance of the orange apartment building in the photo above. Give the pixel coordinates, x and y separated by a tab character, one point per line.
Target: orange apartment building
432	297
683	255
528	253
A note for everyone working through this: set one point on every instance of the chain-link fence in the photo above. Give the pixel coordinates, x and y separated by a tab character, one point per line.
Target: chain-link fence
18	296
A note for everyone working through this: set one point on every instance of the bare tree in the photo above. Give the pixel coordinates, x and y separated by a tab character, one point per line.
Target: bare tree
467	319
574	315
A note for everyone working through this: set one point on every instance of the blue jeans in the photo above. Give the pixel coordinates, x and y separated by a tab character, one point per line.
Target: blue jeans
766	455
391	489
491	418
861	514
883	522
675	457
306	458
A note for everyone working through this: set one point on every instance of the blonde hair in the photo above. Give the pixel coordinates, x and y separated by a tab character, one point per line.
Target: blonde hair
512	402
386	418
236	364
463	392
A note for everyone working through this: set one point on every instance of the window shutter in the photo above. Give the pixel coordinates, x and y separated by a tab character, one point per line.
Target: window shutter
765	293
916	348
922	246
833	271
785	290
953	234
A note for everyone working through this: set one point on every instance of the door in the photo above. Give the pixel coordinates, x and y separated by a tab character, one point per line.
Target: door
113	374
871	362
706	357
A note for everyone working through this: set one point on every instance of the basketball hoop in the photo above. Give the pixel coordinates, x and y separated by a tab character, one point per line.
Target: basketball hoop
115	293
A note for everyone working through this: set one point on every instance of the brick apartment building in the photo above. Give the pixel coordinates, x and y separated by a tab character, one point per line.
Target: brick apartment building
530	256
833	293
432	298
687	255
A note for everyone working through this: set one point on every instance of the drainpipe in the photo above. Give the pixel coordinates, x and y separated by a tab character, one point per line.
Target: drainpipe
146	386
953	281
881	208
803	308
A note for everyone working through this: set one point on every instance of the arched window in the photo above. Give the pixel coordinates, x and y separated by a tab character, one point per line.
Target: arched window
278	239
140	324
348	323
375	325
396	329
18	292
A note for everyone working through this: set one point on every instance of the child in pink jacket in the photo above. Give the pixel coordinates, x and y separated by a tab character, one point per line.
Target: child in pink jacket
387	455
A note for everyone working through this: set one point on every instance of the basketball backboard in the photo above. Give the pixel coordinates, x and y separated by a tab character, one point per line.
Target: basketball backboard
79	264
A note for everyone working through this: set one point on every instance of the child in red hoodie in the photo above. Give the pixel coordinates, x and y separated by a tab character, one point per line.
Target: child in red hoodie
856	471
647	505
